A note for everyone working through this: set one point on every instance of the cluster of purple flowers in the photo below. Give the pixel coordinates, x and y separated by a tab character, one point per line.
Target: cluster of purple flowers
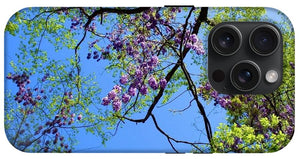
92	27
223	100
263	107
116	97
45	77
113	98
92	44
153	18
124	79
152	83
51	129
143	54
95	55
24	94
190	41
292	65
75	22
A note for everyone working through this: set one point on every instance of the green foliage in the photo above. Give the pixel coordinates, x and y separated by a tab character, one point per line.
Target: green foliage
265	121
244	139
255	123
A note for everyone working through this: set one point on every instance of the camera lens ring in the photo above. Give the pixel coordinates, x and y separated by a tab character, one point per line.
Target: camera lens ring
248	83
230	36
264	40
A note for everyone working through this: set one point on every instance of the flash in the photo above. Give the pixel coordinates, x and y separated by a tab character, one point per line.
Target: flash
272	76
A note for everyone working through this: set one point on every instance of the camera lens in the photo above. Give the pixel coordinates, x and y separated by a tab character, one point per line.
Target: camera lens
226	40
245	75
264	40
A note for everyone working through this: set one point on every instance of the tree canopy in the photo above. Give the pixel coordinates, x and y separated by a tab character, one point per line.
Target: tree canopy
53	90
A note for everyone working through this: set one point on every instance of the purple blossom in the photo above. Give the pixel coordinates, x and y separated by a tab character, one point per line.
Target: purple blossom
289	109
129	50
282	114
197	46
96	56
267	136
177	40
207	86
38	97
9	76
179	9
116	105
188	45
148	25
173	9
92	44
163	50
264	111
89	56
200	50
138	73
125	98
154	60
117	88
290	130
163	83
124	79
238	140
144	89
140	39
131	91
194	38
105	101
112	94
157	15
292	65
117	45
152	83
44	79
214	94
249	98
136	83
79	117
143	45
224	102
146	16
145	67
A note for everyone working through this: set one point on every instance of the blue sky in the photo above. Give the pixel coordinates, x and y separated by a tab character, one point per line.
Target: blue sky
142	137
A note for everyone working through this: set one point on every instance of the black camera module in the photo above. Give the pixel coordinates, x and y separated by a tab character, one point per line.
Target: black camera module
245	75
264	40
226	40
245	57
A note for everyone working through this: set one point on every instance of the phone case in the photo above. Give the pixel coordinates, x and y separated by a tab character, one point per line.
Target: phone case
116	79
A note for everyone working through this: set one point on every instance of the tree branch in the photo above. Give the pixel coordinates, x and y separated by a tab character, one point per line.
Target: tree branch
173	139
202	17
193	89
184	109
184	31
114	10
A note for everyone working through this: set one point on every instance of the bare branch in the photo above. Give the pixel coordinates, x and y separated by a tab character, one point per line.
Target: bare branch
184	31
114	10
192	88
173	139
172	99
182	110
